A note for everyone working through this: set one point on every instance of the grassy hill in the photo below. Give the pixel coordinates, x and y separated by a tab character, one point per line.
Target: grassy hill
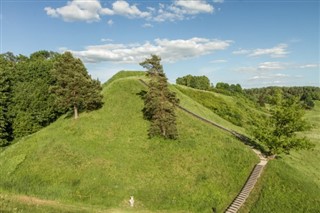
95	163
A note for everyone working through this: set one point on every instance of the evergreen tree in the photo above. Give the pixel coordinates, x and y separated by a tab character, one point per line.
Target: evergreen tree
160	103
278	132
73	86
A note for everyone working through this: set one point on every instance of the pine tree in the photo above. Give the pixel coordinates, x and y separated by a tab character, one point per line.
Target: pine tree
160	103
73	87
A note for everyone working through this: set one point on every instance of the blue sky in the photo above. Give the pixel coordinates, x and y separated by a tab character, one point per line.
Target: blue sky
255	43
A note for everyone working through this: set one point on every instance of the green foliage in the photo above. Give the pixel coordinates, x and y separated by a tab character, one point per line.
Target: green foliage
197	82
5	98
106	156
32	105
306	94
227	89
237	110
26	104
278	132
159	101
73	87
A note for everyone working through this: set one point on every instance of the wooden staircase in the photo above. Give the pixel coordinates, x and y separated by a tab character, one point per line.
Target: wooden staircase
245	191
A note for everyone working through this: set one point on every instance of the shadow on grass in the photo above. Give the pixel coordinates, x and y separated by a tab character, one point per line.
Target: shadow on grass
250	142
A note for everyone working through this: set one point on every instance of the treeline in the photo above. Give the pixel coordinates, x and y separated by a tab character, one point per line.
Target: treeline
36	90
307	94
203	83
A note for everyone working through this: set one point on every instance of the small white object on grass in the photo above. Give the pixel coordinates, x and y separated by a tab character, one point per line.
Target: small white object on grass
131	201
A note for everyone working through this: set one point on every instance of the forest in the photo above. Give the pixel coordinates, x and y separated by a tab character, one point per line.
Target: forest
36	90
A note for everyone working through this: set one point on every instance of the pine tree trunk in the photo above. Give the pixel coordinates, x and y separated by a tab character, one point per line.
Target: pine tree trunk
75	109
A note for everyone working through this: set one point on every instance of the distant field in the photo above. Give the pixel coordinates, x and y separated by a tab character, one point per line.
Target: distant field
95	163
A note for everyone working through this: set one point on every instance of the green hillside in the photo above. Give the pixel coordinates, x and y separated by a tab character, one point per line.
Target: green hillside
237	109
95	163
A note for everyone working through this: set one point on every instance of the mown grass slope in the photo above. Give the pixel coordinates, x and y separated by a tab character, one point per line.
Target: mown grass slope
105	156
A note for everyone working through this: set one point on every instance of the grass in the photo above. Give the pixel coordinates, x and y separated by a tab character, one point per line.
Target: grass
292	183
124	74
105	156
238	110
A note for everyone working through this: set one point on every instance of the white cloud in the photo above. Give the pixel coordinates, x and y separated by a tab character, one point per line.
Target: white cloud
194	6
169	50
77	10
90	11
272	66
110	22
219	61
147	25
121	7
241	52
181	10
265	67
273	77
275	52
106	40
306	66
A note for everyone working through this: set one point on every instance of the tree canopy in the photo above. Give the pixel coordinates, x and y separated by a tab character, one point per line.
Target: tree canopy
197	82
278	132
73	86
27	100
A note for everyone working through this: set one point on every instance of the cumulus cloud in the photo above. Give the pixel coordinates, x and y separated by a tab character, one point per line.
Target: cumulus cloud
77	10
90	11
169	50
181	9
194	6
121	7
278	51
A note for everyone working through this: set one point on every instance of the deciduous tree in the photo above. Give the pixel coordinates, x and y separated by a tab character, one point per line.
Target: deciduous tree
5	90
279	131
